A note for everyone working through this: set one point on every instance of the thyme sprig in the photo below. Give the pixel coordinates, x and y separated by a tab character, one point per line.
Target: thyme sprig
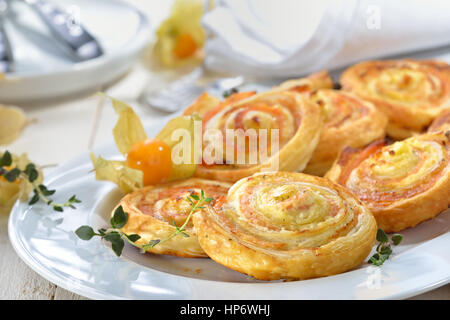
117	237
384	249
31	174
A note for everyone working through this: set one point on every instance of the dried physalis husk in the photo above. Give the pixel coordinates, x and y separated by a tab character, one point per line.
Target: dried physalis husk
181	36
127	179
10	192
178	134
12	121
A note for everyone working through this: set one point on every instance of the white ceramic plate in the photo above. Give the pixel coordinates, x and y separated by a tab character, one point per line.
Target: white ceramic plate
44	70
45	240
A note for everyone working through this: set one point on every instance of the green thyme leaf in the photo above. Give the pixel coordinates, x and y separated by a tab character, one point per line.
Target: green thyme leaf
85	233
133	237
117	247
397	238
153	243
6	159
12	175
382	236
195	197
31	172
34	199
119	219
45	191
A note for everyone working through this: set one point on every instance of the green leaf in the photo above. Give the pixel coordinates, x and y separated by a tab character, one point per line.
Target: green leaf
153	243
382	236
133	237
85	233
34	199
31	172
6	159
119	218
208	200
386	250
45	191
195	197
112	236
117	247
73	199
12	175
397	238
58	208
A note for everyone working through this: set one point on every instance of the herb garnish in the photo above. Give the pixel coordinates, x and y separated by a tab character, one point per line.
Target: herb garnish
31	174
228	93
384	249
119	219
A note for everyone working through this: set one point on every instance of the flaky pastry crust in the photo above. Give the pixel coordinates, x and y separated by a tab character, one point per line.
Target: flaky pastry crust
403	184
349	121
411	93
152	211
284	225
441	123
311	83
298	120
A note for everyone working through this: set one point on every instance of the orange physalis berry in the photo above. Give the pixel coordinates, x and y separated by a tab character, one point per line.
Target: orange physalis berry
153	158
185	46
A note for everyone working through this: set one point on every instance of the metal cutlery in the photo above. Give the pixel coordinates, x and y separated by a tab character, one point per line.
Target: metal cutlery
66	30
6	56
184	91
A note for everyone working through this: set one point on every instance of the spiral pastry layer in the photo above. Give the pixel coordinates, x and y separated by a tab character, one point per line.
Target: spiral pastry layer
441	123
315	81
153	210
410	92
349	121
296	120
403	184
284	225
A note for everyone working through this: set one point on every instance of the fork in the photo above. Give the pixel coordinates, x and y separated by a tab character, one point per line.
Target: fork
185	90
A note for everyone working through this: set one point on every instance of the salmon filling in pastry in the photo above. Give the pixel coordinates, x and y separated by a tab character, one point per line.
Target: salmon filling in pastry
249	133
349	121
411	93
284	225
404	183
154	210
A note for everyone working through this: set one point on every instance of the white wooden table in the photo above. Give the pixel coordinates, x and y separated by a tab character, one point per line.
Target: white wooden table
61	130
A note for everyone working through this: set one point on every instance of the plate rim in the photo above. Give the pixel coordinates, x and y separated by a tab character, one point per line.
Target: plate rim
94	293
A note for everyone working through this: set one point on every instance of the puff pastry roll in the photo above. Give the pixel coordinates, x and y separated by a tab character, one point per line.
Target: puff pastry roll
315	81
404	183
349	121
441	123
152	211
284	225
296	120
411	93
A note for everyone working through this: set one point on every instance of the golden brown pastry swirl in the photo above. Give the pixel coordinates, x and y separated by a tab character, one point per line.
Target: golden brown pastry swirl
404	183
287	226
297	120
349	121
153	210
410	92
